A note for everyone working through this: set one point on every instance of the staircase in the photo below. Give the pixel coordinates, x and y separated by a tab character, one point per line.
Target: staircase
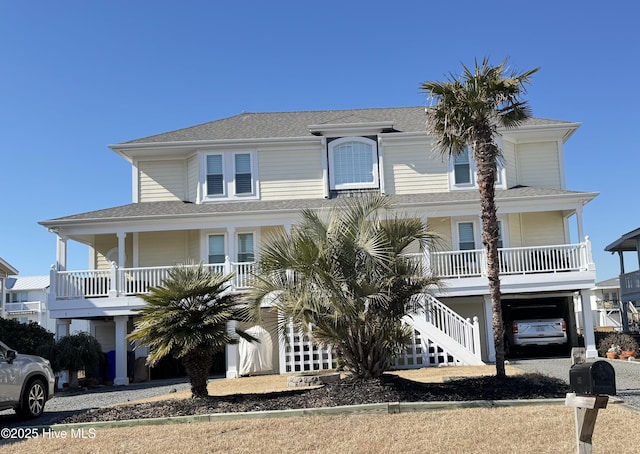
441	337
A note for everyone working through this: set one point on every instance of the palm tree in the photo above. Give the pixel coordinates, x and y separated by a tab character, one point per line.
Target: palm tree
468	112
187	317
344	276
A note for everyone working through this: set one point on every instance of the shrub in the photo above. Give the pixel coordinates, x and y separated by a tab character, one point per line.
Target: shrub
26	338
624	341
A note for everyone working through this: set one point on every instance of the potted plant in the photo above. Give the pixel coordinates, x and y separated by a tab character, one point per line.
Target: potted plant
613	352
618	345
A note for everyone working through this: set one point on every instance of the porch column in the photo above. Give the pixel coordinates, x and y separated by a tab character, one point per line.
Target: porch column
488	316
121	249
61	253
121	377
587	324
579	223
231	353
231	243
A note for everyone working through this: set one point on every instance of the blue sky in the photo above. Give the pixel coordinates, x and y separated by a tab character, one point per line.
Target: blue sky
78	76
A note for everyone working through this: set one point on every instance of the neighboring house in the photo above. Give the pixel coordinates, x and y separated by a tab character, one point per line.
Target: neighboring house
215	191
629	271
605	301
26	301
6	270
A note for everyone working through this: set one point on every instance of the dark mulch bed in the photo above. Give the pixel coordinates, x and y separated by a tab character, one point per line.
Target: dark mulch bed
346	392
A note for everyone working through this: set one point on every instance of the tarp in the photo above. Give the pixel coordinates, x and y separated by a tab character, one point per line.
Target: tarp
256	357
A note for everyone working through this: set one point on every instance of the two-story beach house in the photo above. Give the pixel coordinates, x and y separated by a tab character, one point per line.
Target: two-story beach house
214	191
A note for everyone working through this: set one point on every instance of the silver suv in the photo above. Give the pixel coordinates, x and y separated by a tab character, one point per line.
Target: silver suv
26	382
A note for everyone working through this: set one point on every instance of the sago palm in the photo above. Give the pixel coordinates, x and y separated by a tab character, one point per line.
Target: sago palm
342	277
187	317
468	111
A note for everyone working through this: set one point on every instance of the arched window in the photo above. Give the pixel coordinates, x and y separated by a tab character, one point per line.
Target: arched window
353	163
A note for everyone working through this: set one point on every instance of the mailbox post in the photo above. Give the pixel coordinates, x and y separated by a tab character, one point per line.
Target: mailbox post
591	384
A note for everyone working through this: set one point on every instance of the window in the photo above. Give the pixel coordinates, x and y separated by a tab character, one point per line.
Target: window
229	175
215	175
466	237
463	171
245	247
216	249
462	168
243	179
353	163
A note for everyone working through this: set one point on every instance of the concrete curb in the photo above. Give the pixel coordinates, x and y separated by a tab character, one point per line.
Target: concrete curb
383	408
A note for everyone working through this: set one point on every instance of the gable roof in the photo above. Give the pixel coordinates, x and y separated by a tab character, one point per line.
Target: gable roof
267	125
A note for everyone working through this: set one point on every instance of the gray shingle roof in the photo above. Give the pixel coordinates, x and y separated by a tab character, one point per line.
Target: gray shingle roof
146	210
249	125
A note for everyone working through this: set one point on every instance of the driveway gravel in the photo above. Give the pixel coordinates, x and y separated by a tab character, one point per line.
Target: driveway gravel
71	402
627	374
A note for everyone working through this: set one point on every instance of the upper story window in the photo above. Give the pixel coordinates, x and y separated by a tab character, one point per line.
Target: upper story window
229	175
462	172
353	163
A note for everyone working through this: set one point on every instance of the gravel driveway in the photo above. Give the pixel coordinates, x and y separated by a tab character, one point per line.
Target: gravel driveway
627	374
70	402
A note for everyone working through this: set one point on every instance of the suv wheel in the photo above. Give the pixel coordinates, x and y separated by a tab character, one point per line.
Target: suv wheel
33	399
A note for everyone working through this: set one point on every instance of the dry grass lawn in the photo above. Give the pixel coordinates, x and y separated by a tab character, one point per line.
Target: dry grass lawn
528	429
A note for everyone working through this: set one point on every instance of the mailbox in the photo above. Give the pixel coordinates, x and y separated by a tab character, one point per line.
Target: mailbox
593	378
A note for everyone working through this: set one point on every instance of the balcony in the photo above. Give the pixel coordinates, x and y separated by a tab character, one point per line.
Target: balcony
125	282
546	268
29	307
630	287
522	269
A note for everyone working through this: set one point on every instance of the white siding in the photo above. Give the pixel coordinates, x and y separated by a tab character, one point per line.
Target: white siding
164	248
290	173
193	179
509	155
414	169
442	227
162	180
538	165
543	228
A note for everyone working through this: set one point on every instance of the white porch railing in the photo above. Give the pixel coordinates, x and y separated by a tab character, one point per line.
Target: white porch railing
518	260
25	307
132	281
447	265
